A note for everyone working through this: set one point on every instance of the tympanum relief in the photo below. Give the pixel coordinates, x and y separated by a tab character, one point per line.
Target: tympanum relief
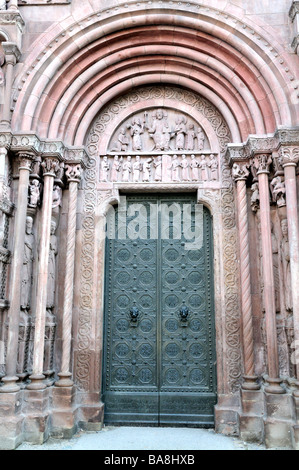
161	145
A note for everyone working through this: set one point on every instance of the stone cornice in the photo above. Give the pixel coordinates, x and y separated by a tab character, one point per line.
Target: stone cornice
5	139
12	52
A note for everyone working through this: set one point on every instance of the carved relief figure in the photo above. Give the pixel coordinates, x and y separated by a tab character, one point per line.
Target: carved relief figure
185	168
180	131
116	168
203	165
275	250
278	191
190	137
137	167
285	253
127	169
137	128
2	60
105	169
147	170
175	169
158	168
159	131
122	143
2	4
34	193
255	197
200	139
194	164
57	196
52	267
27	265
214	168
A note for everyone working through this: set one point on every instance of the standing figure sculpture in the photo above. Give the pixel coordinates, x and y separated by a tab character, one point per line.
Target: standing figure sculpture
185	169
27	265
180	131
116	169
137	167
52	267
214	168
137	128
203	165
127	169
34	193
105	169
194	168
190	137
175	169
158	168
147	170
200	139
285	254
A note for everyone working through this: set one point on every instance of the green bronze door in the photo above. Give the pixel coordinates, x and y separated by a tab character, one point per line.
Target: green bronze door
159	337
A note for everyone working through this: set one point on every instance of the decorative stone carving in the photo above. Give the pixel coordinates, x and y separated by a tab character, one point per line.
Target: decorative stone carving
136	128
57	196
52	267
50	166
285	253
289	156
73	172
2	78
180	131
127	169
200	139
27	265
84	359
146	170
278	191
2	4
122	143
185	169
262	163
116	169
169	130
34	193
255	197
240	171
194	165
158	168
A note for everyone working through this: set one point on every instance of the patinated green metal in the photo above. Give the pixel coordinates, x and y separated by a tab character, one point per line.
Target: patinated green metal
159	341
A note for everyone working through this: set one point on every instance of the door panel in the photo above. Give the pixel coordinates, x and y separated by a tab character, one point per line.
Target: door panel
159	367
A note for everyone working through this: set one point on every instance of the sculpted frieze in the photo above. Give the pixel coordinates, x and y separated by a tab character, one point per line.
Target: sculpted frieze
159	168
157	130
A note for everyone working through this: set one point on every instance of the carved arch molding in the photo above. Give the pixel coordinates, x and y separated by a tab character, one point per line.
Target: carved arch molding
219	199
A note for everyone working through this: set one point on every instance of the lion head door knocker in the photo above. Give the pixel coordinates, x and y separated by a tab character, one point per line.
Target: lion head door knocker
184	313
134	315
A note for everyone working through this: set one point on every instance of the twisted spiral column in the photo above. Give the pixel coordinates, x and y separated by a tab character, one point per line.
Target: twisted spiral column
65	374
249	377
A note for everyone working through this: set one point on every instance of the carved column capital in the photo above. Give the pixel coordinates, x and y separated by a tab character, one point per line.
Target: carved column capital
12	52
25	160
240	171
50	166
289	156
73	172
261	163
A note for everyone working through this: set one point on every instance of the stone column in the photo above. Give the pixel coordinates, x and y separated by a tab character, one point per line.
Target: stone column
289	158
73	178
240	174
12	54
262	163
49	165
25	160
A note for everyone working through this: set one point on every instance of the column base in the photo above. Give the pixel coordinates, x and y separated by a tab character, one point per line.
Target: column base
251	417
37	423
64	414
64	380
250	383
227	413
37	382
11	421
274	386
280	420
10	385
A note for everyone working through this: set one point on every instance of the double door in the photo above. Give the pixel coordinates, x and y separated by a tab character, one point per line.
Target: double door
159	336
